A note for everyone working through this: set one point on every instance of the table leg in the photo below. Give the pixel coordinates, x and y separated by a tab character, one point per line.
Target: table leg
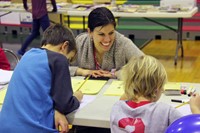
68	20
84	23
179	41
61	20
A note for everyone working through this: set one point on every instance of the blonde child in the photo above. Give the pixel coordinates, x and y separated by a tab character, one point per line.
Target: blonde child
138	110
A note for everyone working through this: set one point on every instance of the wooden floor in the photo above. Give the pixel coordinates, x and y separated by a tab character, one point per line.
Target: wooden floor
187	68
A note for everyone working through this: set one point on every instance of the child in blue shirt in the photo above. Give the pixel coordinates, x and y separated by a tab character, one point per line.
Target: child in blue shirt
40	94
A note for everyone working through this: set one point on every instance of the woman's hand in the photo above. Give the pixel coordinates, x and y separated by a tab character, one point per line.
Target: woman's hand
95	73
83	72
100	73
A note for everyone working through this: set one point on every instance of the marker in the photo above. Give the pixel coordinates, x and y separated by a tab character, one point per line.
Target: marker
193	90
179	101
189	89
183	90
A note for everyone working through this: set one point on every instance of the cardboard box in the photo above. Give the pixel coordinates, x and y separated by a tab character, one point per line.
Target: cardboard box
26	18
178	3
54	17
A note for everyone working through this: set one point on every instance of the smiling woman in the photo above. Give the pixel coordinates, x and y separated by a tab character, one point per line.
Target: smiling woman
102	51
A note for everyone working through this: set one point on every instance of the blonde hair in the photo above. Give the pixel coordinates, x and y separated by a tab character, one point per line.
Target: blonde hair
142	77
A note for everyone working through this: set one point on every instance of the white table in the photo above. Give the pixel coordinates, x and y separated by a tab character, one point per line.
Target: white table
97	113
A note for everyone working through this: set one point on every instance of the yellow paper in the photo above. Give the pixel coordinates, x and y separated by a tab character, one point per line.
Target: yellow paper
2	95
172	86
115	89
76	83
91	87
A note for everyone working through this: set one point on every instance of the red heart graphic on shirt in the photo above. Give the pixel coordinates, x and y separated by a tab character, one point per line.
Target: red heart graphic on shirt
133	125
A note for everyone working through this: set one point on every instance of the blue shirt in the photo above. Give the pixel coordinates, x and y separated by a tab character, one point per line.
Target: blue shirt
40	83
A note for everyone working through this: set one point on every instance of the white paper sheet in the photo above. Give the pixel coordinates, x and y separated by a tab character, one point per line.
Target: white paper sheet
86	99
5	76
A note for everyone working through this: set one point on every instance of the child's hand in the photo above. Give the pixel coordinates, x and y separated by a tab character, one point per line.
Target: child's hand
195	104
78	95
61	122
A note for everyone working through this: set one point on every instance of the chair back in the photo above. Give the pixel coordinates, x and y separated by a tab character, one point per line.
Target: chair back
12	58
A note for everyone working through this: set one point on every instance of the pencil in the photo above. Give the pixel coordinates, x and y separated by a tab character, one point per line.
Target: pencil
83	83
182	104
60	128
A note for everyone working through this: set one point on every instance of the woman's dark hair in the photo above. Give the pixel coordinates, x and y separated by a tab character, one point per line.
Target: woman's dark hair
100	16
57	34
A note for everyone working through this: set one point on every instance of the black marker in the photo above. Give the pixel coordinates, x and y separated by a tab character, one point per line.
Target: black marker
179	101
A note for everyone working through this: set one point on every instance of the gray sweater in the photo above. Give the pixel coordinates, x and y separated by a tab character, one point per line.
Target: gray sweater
149	118
119	54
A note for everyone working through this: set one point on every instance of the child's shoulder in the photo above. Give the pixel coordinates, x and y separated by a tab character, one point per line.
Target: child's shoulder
163	106
55	55
120	104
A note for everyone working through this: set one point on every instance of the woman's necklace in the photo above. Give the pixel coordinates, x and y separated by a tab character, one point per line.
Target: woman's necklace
98	60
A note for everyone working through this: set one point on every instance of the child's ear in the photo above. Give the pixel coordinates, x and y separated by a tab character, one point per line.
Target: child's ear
64	46
90	33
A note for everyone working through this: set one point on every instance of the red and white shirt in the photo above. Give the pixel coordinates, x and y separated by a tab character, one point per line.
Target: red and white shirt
143	117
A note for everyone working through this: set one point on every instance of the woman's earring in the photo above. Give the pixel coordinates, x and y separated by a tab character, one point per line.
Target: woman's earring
91	39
